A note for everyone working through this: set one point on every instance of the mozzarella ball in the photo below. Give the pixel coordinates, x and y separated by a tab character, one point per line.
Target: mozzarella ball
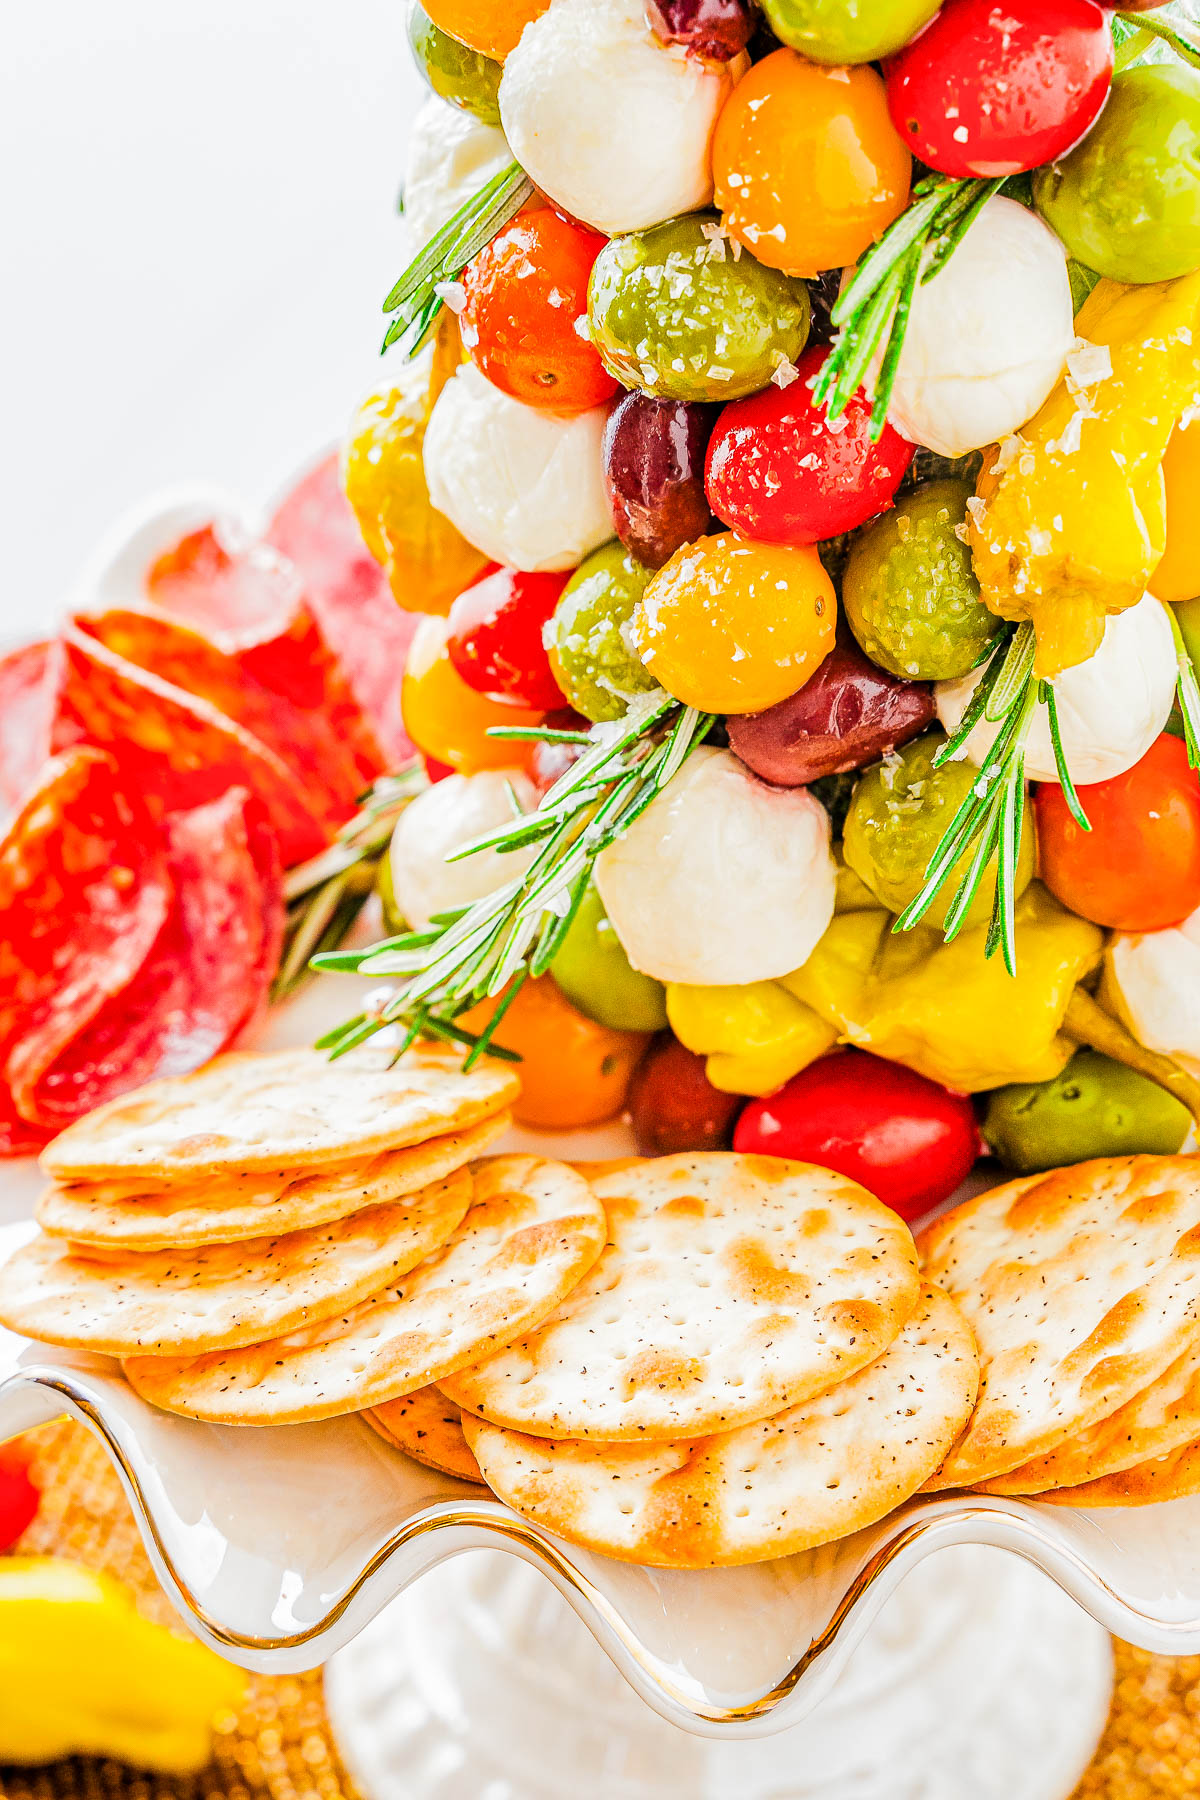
1110	707
1157	978
988	337
611	124
445	816
450	157
524	486
722	879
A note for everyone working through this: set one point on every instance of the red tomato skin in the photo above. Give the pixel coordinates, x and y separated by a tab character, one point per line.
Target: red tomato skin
989	89
495	640
674	1107
777	472
906	1139
525	292
19	1498
1138	869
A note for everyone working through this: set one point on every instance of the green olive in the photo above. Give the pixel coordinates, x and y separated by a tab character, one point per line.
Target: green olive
1095	1107
900	810
593	663
1126	201
847	31
909	591
674	313
463	76
595	974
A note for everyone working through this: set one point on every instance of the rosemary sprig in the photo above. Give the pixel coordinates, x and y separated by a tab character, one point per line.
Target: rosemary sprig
1187	691
415	299
475	953
1185	44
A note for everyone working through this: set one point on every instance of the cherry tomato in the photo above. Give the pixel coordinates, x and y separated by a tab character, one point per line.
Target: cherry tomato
490	26
807	166
573	1071
495	639
435	771
1138	868
19	1498
908	1140
526	292
778	471
447	720
992	90
673	1106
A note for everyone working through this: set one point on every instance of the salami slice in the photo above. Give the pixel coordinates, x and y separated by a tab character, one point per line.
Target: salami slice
25	702
176	749
204	980
369	634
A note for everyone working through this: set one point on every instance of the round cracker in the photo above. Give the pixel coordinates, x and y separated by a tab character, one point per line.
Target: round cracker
731	1287
1082	1285
807	1476
533	1232
227	1209
428	1427
121	1302
281	1109
1168	1477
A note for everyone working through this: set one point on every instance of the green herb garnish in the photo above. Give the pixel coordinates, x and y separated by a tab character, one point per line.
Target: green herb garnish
415	299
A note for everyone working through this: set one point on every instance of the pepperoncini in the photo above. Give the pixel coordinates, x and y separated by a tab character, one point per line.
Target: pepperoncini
83	1673
946	1010
1070	518
754	1037
427	560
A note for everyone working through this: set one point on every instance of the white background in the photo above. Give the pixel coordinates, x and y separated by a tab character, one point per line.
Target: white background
198	206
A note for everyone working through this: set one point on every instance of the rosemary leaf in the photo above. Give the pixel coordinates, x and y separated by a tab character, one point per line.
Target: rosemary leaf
1050	700
1185	44
414	298
895	243
975	711
1014	674
1188	691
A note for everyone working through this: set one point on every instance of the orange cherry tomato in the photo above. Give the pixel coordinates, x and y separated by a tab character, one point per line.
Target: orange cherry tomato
1138	869
573	1071
491	26
449	721
733	626
808	168
526	292
1177	576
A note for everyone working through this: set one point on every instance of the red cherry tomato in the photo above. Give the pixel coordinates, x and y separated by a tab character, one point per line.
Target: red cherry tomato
673	1106
779	472
436	771
990	89
526	292
908	1140
495	639
1138	868
19	1497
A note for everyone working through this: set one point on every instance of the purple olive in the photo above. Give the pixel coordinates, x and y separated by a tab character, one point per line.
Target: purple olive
848	714
717	29
654	472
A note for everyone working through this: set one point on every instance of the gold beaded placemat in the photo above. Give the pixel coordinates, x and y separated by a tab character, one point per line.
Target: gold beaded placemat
278	1747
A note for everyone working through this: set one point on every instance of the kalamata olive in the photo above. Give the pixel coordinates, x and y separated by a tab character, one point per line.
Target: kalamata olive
823	293
717	29
673	1106
654	454
848	714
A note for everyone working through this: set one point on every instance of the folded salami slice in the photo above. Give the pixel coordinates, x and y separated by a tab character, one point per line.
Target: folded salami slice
25	702
175	749
204	979
316	530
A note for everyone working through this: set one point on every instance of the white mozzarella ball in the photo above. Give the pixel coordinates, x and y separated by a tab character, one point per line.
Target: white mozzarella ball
1157	975
1110	707
722	878
446	816
524	486
451	155
988	337
612	125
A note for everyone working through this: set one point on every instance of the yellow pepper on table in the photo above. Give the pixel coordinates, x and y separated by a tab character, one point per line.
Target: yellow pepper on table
1070	518
83	1673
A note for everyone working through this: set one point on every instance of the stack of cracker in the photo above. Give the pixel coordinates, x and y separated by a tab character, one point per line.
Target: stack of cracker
1083	1288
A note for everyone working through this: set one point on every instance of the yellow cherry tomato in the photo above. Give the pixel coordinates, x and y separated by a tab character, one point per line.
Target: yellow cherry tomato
1177	576
489	26
755	1037
449	721
732	626
808	168
573	1071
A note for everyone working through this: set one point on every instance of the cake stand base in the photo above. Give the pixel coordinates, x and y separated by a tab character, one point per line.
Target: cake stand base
980	1680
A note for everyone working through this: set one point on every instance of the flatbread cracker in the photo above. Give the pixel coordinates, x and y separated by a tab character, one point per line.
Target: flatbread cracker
427	1427
732	1287
533	1232
280	1109
809	1475
225	1209
213	1298
1163	1478
1082	1285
